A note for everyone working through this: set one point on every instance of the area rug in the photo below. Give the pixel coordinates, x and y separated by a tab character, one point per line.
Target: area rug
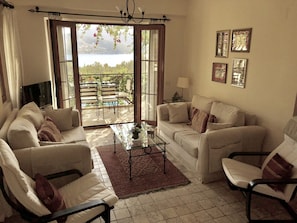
147	172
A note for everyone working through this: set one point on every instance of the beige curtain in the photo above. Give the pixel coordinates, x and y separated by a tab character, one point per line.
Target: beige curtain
12	63
12	55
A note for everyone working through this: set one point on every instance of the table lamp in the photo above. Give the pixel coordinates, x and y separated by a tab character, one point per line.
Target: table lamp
183	82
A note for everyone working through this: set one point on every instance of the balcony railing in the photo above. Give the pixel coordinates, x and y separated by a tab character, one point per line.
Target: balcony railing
118	106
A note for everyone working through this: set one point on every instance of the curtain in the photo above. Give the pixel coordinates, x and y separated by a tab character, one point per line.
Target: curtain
12	55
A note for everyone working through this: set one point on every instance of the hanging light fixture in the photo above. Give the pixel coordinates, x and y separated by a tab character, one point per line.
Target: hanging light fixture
127	14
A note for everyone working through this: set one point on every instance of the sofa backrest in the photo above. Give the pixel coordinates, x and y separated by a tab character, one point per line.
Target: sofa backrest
228	114
202	103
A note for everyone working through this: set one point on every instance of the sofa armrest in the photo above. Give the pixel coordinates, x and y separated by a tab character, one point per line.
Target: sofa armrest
54	158
250	137
76	121
215	145
162	113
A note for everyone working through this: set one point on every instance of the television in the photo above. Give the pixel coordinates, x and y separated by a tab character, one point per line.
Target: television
40	93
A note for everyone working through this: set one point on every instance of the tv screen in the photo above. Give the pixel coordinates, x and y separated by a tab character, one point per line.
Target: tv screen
40	93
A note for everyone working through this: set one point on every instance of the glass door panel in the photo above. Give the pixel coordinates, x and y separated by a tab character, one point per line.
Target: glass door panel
151	71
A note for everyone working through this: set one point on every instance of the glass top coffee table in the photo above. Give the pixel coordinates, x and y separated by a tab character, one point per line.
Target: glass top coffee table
146	141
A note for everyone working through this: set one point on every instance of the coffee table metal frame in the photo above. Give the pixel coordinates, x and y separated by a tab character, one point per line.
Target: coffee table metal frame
146	141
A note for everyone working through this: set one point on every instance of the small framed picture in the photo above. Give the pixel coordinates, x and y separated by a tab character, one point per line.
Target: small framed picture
219	72
222	43
239	69
241	40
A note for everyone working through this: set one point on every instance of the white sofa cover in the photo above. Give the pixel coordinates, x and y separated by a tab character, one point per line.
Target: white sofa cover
202	152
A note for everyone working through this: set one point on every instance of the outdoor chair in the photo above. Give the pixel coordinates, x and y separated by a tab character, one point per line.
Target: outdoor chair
276	178
82	200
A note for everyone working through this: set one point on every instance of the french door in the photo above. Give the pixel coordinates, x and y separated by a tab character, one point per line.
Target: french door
149	71
148	67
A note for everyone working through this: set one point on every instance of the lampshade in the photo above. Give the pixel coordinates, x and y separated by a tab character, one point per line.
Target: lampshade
183	82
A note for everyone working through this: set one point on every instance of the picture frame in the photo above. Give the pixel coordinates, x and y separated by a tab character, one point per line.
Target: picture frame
219	72
222	43
239	71
241	40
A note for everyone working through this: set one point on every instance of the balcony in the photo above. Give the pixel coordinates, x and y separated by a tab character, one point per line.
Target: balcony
106	99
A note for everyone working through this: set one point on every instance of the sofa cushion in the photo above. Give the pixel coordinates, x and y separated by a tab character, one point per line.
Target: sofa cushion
32	113
61	117
22	134
202	103
49	132
189	141
217	126
178	112
199	121
226	113
74	135
169	129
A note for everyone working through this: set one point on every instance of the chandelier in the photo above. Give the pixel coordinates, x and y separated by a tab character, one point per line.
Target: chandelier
127	14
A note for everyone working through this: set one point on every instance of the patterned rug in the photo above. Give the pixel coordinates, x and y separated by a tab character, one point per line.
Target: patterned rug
147	172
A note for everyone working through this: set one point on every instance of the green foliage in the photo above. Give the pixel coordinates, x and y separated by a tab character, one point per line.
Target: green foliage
98	68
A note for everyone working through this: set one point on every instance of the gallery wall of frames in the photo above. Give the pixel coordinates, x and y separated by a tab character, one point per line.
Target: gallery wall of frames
240	43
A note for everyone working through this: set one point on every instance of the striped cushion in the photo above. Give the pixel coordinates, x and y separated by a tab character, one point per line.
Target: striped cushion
277	168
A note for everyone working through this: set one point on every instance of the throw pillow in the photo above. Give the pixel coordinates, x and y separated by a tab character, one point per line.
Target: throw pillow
277	168
178	112
32	113
193	112
199	121
49	131
49	195
61	117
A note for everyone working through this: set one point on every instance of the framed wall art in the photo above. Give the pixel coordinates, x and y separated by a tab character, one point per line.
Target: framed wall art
239	69
241	40
219	72
222	43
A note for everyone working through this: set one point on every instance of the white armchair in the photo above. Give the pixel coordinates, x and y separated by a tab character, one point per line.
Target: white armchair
37	200
276	178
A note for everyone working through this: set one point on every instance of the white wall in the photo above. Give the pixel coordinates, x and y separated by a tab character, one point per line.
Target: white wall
271	83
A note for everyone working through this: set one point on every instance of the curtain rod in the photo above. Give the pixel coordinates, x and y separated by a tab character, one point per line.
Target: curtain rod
6	4
36	10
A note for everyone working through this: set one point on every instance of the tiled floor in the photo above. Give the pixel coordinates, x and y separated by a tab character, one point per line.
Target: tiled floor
196	202
192	203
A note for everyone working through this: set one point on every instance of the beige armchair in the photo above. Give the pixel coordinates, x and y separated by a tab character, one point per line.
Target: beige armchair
276	178
38	200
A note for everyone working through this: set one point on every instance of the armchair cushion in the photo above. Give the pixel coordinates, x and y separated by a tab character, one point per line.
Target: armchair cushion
277	168
49	195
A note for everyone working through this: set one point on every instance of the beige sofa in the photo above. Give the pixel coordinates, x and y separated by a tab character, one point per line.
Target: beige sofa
20	129
201	149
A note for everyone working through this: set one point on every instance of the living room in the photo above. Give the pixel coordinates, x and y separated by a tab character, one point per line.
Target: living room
270	89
